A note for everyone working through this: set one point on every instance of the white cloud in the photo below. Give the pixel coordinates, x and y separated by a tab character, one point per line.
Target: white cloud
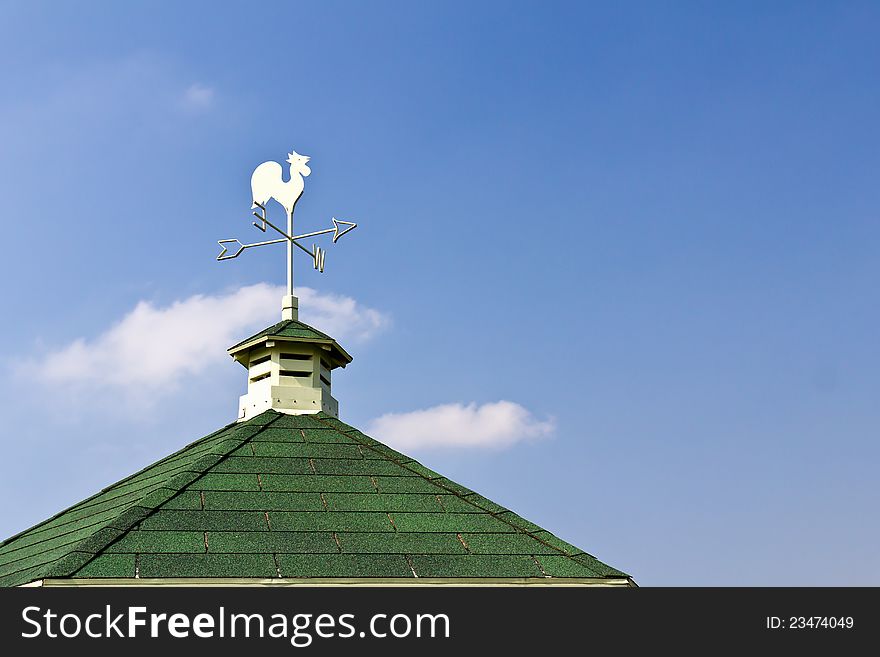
197	98
152	348
497	424
339	316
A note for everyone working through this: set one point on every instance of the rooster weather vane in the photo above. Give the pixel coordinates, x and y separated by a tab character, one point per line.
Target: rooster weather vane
267	183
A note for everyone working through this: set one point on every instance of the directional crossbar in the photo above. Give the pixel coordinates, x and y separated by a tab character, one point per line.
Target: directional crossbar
317	254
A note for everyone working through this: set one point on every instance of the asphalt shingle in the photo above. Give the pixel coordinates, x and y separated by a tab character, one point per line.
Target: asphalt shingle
344	565
207	565
288	328
318	483
339	521
109	565
475	565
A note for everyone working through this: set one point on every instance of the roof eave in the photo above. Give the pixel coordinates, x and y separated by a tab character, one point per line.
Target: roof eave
343	356
339	581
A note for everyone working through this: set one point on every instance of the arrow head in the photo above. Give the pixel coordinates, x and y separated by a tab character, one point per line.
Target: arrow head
336	232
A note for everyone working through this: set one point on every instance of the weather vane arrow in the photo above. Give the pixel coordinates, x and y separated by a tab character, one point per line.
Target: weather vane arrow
336	234
266	184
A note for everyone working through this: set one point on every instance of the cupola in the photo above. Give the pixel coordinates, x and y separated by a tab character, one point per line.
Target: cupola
289	368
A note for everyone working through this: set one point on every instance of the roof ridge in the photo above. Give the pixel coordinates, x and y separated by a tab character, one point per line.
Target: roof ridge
83	552
84	503
451	489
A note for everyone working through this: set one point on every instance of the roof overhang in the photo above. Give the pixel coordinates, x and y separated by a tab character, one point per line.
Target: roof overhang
340	356
340	581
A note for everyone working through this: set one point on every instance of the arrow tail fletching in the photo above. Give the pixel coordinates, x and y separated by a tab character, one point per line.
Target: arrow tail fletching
222	255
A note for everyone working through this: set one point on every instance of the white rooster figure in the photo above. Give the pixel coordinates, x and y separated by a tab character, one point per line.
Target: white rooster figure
267	182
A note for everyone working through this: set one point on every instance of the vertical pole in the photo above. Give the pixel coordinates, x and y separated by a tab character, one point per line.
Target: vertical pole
290	253
289	308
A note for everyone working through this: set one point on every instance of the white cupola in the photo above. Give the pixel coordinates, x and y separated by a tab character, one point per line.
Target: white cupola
289	368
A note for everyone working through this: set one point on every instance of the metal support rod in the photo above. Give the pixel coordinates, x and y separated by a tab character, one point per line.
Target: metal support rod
312	234
290	253
278	241
265	220
303	248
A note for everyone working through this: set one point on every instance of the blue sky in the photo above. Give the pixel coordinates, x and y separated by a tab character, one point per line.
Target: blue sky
653	228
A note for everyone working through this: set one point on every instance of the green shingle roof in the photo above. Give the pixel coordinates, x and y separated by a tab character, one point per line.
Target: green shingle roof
290	329
290	496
